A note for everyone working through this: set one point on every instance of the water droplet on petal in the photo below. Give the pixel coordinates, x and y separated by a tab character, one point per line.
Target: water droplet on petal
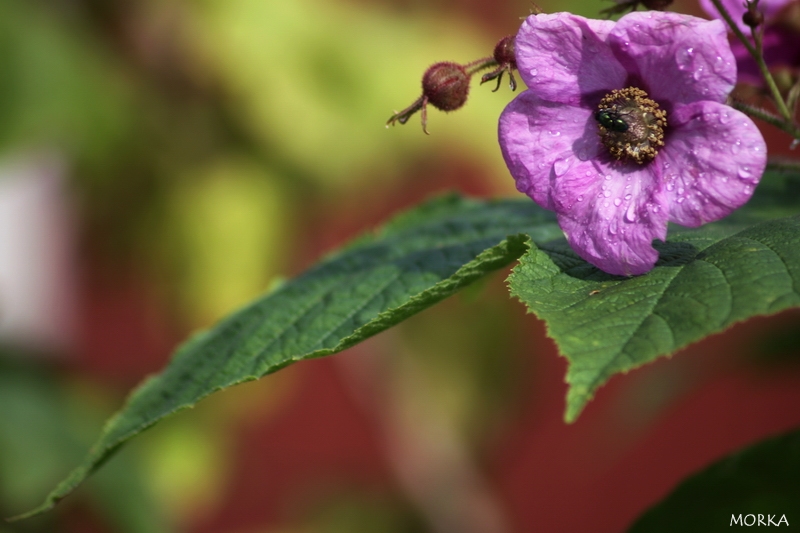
561	166
606	193
680	199
684	57
630	214
617	201
580	198
698	73
681	190
745	173
736	147
608	177
627	197
554	133
724	118
533	72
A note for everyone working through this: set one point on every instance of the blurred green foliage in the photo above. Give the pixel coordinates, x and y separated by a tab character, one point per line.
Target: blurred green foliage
199	136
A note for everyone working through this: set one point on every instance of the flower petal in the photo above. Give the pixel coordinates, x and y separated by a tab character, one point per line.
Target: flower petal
679	58
564	57
711	163
611	213
541	140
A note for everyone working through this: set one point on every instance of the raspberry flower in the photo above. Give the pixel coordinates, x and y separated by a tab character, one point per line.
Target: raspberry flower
624	128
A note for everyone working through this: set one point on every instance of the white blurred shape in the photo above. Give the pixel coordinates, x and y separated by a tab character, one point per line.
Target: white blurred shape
37	271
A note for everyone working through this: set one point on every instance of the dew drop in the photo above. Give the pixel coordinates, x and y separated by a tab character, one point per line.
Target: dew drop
561	166
533	72
630	214
606	193
580	198
680	199
745	173
724	118
748	189
698	73
681	190
627	197
684	57
670	186
554	133
655	209
608	177
617	201
736	147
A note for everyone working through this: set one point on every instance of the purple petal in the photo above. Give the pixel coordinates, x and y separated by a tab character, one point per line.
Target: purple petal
712	161
611	213
679	58
564	57
540	140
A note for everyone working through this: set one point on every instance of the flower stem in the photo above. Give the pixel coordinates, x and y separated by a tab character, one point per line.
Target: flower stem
767	117
755	51
480	64
783	164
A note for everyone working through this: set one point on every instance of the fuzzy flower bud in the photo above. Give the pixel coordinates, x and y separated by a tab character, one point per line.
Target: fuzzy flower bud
445	86
504	56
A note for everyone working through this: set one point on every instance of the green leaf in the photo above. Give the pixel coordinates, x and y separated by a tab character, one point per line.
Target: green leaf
762	479
706	280
415	261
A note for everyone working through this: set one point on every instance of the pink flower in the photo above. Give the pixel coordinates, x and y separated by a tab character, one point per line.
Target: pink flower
623	129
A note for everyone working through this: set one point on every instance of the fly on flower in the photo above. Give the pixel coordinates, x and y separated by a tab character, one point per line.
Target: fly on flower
624	128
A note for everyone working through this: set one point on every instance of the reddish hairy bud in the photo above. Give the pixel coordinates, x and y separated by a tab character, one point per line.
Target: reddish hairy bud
753	17
506	59
505	51
445	86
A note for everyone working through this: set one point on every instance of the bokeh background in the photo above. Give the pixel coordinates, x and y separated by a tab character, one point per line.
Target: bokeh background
165	161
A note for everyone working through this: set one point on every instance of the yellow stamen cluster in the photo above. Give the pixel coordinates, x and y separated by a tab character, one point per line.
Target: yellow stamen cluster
645	122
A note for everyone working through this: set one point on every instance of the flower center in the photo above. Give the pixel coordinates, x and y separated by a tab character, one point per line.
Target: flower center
631	124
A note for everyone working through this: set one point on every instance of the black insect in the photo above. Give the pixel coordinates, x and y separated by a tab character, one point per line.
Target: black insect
611	120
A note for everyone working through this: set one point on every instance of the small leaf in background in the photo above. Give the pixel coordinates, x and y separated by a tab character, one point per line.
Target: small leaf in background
761	480
417	260
707	279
